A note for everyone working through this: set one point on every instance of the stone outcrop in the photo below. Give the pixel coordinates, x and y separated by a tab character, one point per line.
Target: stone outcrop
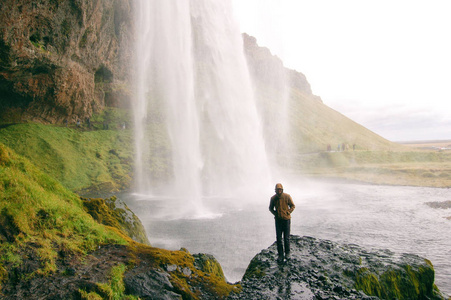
148	273
440	204
321	269
63	60
115	213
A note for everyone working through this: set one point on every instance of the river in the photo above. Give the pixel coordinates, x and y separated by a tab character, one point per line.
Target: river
372	216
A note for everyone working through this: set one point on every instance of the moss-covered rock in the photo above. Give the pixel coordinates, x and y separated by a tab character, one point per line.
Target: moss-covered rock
208	264
115	213
321	269
41	222
163	274
51	248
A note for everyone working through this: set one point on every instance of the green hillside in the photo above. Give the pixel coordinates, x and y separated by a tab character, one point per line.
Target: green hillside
40	218
80	160
317	125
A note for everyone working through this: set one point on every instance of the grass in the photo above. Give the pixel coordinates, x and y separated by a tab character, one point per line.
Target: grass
40	218
114	289
314	126
41	221
414	168
98	159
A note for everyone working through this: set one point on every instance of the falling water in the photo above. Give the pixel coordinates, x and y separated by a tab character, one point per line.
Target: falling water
190	66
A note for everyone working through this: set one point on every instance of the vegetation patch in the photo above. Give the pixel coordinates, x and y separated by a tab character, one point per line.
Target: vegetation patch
256	268
186	276
415	168
404	283
113	289
97	160
41	220
115	213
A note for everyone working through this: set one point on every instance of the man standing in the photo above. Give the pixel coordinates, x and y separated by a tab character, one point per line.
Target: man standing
281	206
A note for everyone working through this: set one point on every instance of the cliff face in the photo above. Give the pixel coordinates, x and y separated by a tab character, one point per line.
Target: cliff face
269	69
63	59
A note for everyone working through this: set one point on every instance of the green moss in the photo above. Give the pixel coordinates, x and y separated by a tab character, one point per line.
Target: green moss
96	160
367	282
403	283
89	296
105	211
3	276
186	284
100	212
40	218
208	264
114	289
256	268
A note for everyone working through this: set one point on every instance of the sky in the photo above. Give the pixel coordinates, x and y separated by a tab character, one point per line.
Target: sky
386	64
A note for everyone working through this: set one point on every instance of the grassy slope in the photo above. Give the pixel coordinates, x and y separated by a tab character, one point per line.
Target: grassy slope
42	222
317	125
39	217
375	159
78	159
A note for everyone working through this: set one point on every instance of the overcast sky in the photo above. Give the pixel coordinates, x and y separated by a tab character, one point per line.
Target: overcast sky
386	64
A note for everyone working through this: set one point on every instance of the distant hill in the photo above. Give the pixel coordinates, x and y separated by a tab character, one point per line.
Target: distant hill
312	124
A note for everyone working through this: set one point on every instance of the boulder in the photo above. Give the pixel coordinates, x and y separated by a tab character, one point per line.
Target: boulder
321	269
115	213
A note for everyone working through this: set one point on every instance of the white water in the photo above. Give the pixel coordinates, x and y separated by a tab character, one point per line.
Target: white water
374	217
189	56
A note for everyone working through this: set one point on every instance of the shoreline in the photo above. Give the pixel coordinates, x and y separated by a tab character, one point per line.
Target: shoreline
347	180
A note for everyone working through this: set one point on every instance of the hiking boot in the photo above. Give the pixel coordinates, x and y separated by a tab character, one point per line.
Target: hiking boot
280	259
287	256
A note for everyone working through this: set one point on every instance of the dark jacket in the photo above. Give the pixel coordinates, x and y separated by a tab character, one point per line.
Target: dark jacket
281	207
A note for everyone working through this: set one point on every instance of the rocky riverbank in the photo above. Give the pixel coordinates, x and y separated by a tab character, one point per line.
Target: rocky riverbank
321	269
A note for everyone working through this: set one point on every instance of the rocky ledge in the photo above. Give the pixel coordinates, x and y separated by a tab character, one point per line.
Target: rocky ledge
321	269
318	269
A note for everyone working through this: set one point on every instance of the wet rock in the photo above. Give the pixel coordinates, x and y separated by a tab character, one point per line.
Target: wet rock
321	269
171	268
440	204
150	285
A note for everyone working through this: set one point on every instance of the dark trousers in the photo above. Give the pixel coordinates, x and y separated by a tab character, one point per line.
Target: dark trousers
283	228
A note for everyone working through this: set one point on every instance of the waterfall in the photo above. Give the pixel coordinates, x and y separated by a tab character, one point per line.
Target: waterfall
192	77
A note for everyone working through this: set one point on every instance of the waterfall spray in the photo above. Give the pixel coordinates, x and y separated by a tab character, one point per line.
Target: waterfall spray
189	56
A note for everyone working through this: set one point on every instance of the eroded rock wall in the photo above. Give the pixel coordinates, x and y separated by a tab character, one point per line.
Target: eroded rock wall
63	59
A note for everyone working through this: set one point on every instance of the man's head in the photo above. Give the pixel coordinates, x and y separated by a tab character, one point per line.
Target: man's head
279	189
